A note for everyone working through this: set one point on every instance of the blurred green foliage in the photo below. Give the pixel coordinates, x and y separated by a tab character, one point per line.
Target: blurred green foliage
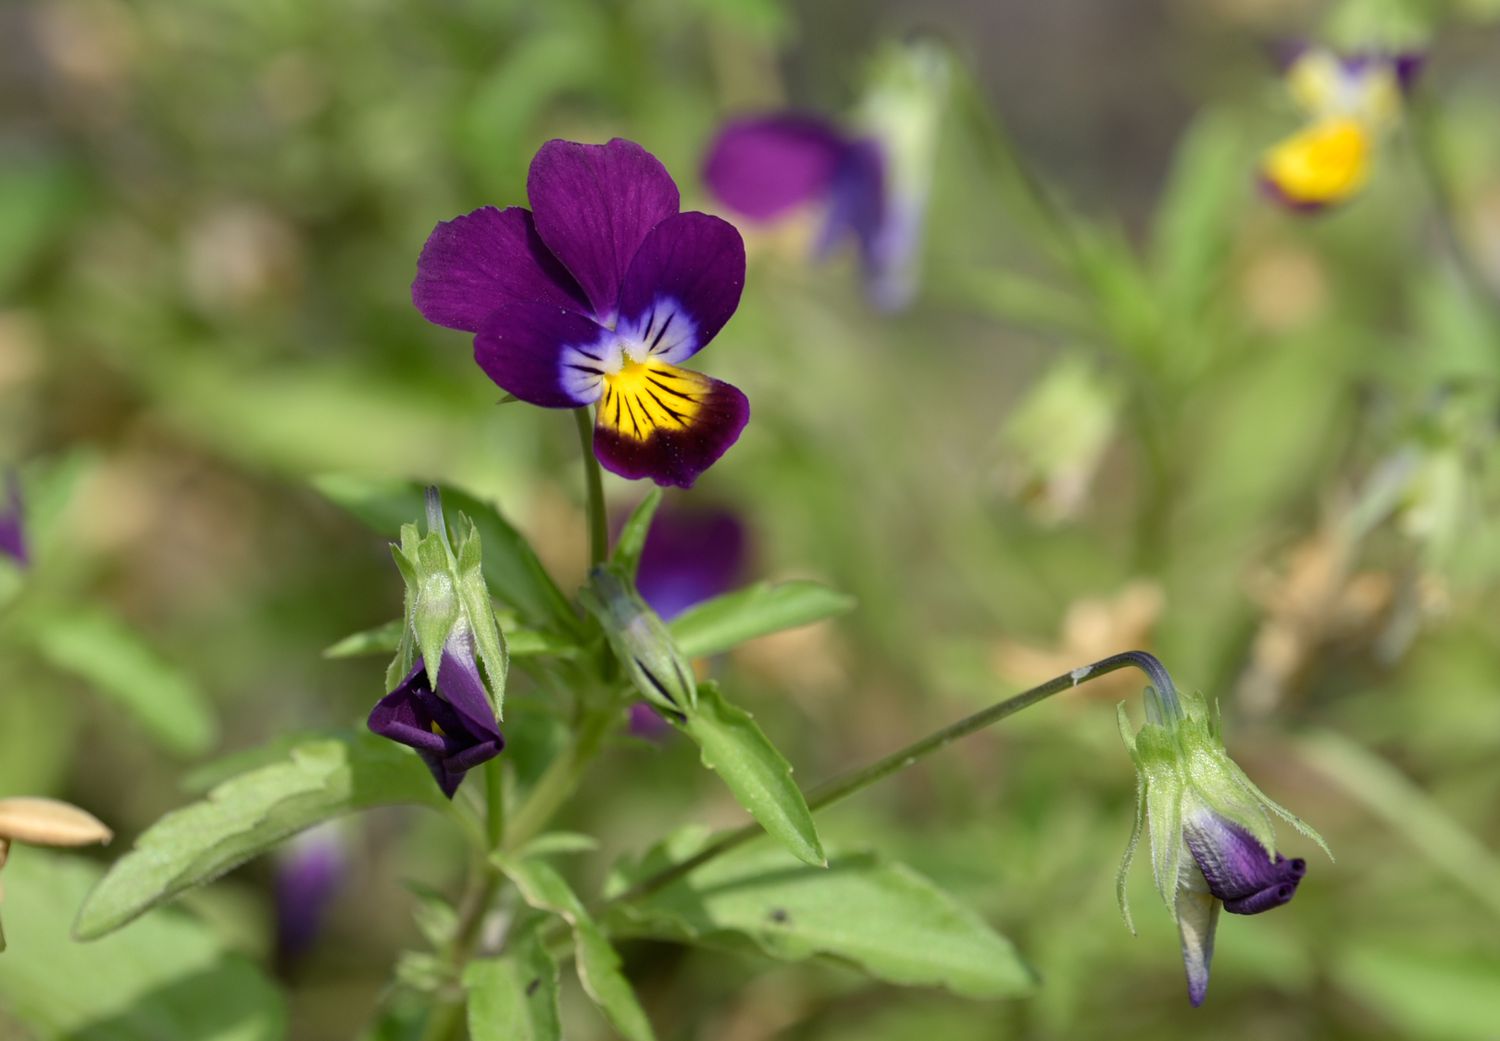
1281	429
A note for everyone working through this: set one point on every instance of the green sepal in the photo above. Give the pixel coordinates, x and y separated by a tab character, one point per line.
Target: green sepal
632	538
474	598
640	640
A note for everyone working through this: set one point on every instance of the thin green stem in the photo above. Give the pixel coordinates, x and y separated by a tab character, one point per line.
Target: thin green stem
841	788
494	803
1424	144
594	487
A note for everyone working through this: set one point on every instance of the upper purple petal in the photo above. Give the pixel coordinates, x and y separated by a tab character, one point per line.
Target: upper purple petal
765	166
1239	870
690	556
682	285
13	522
593	206
522	347
474	264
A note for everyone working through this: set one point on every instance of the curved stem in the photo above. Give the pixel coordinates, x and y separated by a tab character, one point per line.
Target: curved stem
594	487
840	788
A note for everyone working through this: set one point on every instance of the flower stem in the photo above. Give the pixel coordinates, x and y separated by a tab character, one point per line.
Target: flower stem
594	486
1424	140
841	788
494	803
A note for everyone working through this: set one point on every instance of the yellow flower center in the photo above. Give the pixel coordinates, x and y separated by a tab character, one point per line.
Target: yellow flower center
642	397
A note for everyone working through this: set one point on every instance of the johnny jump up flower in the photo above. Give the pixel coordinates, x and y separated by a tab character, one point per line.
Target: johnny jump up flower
868	184
1350	100
452	726
1212	842
595	296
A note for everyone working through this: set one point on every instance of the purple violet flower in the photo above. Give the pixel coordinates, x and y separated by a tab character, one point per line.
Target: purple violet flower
691	555
454	728
768	167
13	522
595	296
309	873
1235	865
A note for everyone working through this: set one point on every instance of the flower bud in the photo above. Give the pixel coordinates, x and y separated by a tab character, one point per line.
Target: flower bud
640	641
1212	841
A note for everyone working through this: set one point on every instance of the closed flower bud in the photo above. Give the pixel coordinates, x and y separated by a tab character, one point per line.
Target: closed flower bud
640	641
1212	841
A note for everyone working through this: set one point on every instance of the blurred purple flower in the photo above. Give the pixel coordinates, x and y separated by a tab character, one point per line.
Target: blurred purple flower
691	555
13	522
769	167
454	728
647	723
309	872
594	297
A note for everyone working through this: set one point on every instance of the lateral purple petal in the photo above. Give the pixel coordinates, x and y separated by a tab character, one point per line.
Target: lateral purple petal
763	167
522	346
1239	870
474	264
593	206
683	285
691	556
677	455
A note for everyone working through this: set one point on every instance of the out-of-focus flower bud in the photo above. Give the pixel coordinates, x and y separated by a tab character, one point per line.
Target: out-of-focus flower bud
640	640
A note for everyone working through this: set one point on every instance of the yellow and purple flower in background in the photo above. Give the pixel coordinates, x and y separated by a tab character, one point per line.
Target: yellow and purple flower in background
13	522
595	296
690	555
867	184
1350	101
1212	842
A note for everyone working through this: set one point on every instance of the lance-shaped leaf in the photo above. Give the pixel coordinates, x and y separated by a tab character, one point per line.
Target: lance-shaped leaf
883	917
168	979
734	747
727	621
119	665
248	815
514	998
598	965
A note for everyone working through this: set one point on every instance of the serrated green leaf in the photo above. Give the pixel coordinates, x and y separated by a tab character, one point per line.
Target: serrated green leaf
632	540
717	625
248	815
118	664
514	998
883	917
168	979
735	748
511	567
598	965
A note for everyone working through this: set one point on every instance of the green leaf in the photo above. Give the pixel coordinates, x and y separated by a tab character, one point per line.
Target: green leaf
883	917
716	625
555	842
734	747
248	815
514	572
632	540
98	647
1190	240
168	979
514	998
598	965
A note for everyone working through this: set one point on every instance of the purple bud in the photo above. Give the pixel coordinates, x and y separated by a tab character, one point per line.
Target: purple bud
453	728
1241	872
309	873
647	723
13	522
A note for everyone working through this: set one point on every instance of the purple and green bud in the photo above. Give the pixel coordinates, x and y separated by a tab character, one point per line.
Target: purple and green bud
1213	845
448	677
640	641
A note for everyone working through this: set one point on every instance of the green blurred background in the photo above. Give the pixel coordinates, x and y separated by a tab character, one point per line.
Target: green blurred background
1255	444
